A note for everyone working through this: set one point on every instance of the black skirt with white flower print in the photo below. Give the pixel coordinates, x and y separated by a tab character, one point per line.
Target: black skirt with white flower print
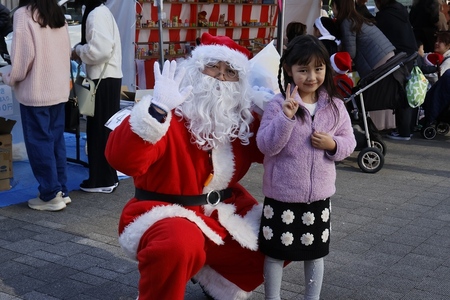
295	231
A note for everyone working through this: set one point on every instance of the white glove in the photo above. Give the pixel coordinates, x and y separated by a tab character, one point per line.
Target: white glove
261	96
166	94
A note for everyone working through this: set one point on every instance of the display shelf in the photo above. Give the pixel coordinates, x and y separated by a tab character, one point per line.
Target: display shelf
252	25
236	2
206	27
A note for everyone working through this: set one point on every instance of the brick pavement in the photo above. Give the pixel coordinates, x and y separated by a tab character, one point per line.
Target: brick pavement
390	237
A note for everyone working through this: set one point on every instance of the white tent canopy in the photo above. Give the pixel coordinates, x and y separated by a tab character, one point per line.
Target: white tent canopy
124	12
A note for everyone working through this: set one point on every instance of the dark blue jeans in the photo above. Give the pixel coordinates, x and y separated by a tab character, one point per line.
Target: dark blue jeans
43	132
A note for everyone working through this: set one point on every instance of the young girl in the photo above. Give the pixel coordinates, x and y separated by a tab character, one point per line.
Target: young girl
303	132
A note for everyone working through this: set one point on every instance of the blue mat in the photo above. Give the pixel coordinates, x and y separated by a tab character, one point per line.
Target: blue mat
25	186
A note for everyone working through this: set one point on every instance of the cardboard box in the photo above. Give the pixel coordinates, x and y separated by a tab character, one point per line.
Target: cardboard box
6	161
136	96
5	184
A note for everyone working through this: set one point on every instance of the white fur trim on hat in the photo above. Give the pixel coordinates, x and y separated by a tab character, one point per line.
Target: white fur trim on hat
322	29
205	53
341	62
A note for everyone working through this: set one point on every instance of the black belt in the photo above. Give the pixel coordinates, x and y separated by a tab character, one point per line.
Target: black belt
213	197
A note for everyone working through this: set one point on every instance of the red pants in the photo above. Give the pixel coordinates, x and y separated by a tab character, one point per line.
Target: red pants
173	250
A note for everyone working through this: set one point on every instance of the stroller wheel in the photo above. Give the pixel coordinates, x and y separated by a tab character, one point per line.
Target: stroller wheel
429	132
370	160
379	144
443	128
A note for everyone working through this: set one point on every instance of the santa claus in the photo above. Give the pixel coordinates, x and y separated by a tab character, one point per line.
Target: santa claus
187	147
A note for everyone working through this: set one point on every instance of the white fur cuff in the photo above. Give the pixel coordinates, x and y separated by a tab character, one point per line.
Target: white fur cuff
144	125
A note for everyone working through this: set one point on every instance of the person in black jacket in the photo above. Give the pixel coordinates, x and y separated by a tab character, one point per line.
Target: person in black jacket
5	28
424	16
393	20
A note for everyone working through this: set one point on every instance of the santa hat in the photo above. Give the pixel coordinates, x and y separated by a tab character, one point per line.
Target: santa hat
208	39
433	59
341	62
222	48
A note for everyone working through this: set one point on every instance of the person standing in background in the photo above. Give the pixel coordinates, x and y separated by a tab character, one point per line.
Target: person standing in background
368	47
292	30
442	24
100	44
40	79
5	28
392	19
424	15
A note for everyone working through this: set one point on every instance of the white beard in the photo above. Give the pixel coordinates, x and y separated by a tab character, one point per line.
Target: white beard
217	112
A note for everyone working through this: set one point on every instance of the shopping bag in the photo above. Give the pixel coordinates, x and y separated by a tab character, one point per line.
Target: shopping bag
85	90
416	88
72	115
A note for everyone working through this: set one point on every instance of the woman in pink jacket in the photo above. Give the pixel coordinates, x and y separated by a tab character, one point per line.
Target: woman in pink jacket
40	76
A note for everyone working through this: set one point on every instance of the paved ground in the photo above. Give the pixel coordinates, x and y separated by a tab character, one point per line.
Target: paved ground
390	237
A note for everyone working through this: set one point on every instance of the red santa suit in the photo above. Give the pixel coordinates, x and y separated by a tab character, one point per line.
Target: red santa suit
215	245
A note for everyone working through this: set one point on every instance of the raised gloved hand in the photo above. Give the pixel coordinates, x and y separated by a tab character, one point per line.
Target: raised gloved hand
167	94
261	96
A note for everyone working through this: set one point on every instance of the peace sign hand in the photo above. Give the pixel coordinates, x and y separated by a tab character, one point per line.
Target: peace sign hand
290	105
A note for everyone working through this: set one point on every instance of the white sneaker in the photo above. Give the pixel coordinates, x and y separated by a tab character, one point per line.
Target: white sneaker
104	189
67	199
55	204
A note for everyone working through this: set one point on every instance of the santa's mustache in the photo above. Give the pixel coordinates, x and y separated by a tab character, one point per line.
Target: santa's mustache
216	112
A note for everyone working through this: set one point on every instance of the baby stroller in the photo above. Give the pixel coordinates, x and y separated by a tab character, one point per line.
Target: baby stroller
437	108
392	76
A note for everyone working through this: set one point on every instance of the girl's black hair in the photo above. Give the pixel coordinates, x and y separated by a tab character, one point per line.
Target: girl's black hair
301	51
49	12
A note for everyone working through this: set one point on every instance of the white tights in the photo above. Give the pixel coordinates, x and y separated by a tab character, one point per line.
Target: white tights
273	273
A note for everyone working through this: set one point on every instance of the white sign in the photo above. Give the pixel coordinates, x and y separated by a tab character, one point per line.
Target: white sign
6	101
118	117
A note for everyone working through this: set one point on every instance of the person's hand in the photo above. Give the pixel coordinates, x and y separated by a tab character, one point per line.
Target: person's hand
290	105
260	97
74	56
167	94
322	140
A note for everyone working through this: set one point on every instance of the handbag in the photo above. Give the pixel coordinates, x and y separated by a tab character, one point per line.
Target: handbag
416	88
85	90
72	112
72	119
